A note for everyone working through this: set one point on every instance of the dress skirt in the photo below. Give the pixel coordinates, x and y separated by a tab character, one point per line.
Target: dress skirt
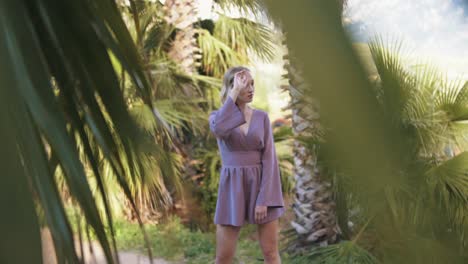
237	194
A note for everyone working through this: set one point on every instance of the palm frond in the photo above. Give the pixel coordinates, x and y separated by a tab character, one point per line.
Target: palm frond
396	83
244	35
217	56
371	152
408	94
449	180
158	37
452	98
254	7
182	114
64	83
169	79
343	252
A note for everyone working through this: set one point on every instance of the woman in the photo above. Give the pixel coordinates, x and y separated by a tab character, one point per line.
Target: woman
249	187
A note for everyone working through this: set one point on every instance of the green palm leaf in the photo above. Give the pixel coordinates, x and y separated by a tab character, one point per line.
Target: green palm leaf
245	6
344	252
63	83
382	140
217	55
244	35
449	180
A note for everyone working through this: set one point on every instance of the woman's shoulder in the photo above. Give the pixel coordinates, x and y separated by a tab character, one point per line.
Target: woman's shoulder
263	114
260	111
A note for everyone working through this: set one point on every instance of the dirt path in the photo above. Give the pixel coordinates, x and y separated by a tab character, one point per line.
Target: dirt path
97	256
125	257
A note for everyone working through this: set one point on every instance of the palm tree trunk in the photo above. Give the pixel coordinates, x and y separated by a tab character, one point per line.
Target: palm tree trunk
314	207
182	14
315	221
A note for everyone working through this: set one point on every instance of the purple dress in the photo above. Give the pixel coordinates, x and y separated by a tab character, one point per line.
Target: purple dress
250	172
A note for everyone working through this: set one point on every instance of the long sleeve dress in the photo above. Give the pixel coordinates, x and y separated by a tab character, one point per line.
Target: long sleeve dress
250	172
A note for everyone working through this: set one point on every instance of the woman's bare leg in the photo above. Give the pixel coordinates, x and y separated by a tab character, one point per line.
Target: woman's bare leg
226	241
268	237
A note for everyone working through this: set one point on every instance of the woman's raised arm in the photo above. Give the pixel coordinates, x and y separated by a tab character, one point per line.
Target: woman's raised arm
225	119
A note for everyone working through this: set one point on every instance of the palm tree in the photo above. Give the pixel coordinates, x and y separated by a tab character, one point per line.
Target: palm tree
404	193
182	15
388	141
427	201
315	221
314	205
157	193
160	183
229	42
59	93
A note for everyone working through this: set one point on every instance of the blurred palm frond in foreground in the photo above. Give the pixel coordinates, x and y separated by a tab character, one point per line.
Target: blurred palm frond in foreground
391	146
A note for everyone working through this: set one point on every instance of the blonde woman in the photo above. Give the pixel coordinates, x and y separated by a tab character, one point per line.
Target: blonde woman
249	186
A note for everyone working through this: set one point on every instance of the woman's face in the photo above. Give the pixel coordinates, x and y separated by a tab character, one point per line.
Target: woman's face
246	94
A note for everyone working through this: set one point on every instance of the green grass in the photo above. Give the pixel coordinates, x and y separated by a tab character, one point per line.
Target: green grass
175	242
171	240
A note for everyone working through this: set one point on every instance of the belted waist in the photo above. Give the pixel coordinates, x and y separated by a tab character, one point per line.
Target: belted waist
241	158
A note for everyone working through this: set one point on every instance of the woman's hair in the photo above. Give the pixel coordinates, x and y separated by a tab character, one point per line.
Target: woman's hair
228	80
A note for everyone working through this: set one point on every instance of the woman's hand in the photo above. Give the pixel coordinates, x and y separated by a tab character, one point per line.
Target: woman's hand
260	212
240	80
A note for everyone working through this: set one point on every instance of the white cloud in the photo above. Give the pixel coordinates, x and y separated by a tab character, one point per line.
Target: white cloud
437	29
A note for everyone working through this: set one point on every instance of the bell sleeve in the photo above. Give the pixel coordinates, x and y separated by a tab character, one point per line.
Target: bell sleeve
270	193
226	118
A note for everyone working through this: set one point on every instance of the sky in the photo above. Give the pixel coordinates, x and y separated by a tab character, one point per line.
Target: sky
435	31
432	29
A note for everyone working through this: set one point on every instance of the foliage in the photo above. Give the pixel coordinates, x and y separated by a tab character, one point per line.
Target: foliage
64	111
343	252
431	195
170	240
427	111
385	140
244	35
181	101
283	144
245	6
